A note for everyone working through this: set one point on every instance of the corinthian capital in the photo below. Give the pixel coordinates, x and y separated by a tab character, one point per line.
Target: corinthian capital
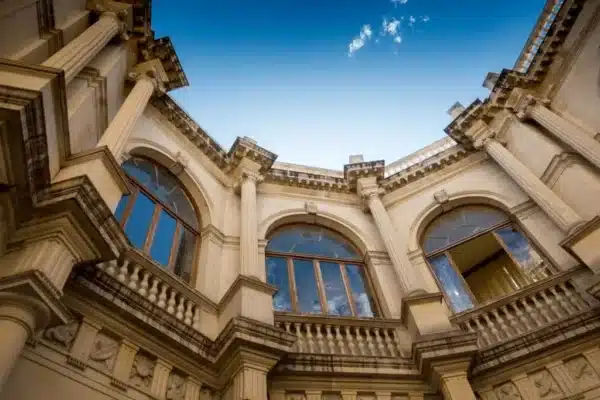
122	12
480	133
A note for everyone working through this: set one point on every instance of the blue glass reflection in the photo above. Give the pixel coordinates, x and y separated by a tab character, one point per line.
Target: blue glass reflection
519	247
335	292
139	220
306	287
358	287
277	275
121	207
311	240
452	284
162	242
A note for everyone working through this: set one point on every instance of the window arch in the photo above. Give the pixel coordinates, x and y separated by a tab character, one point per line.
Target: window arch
158	217
477	254
317	271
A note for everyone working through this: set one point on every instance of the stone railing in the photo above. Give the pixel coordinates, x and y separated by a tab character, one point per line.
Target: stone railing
345	336
541	304
160	288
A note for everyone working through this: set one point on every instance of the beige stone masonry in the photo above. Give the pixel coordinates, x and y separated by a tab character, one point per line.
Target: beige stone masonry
160	378
192	389
564	130
313	395
123	363
115	18
560	212
456	386
82	345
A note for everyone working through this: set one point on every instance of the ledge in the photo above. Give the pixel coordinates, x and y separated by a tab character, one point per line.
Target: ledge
245	281
284	317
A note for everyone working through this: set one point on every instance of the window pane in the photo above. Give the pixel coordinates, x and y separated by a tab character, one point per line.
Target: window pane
311	240
452	283
277	275
139	220
121	207
306	287
335	292
530	261
358	287
163	238
164	185
185	254
459	224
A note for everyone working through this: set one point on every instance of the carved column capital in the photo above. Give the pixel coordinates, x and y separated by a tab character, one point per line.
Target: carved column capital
523	108
120	12
149	76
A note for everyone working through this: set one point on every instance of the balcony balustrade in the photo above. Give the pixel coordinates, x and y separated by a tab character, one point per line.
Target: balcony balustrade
345	336
538	305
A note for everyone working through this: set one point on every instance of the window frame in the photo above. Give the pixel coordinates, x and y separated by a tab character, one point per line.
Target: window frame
510	221
321	293
159	206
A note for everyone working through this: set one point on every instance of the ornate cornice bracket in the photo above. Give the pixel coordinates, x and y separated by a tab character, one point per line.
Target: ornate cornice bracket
479	133
361	171
248	157
154	71
368	188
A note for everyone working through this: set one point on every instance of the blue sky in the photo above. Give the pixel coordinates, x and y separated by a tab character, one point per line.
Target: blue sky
284	72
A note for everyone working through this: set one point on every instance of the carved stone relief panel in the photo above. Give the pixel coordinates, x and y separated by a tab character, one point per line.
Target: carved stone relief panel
62	335
545	384
175	386
142	370
104	352
582	373
508	391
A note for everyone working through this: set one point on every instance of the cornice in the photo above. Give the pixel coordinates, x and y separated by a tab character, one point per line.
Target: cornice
162	49
370	169
307	180
246	148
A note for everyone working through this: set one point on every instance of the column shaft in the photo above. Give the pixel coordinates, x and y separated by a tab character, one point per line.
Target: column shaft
567	132
561	213
402	264
78	53
249	230
120	128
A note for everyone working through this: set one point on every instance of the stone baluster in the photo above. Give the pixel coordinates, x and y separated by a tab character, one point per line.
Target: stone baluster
309	338
330	342
320	340
370	345
300	338
115	18
389	342
340	340
360	342
564	130
350	340
379	342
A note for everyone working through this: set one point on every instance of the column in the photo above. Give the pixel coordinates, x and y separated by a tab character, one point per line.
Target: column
121	126
19	317
83	343
409	281
79	52
563	129
561	213
456	386
249	382
160	379
249	226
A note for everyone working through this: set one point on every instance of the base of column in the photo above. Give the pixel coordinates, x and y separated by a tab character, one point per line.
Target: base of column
247	297
425	314
584	244
102	169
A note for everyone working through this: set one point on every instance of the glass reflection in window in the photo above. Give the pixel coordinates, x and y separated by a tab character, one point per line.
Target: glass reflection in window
325	274
157	216
454	286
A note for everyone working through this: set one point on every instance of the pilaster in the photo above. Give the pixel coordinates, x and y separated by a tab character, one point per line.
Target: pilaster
456	386
82	345
192	389
160	379
313	394
124	363
349	395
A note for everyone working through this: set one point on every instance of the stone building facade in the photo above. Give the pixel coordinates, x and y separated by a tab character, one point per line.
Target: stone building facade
141	260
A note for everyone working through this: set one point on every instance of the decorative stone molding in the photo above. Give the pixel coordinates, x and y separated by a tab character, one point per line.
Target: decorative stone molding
557	166
162	50
371	169
247	148
62	335
120	11
142	371
104	352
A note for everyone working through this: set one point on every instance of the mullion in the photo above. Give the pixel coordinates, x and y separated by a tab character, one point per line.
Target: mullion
468	289
128	207
346	283
175	244
312	257
152	228
292	281
320	287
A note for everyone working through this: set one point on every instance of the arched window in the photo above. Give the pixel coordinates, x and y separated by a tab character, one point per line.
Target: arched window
158	218
317	271
477	254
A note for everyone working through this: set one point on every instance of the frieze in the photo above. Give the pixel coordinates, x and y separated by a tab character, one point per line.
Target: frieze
142	371
63	335
582	373
175	387
545	384
104	352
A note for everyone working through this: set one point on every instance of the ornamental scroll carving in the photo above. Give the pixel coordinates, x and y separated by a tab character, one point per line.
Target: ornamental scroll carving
63	335
175	387
508	391
545	384
142	370
581	372
104	351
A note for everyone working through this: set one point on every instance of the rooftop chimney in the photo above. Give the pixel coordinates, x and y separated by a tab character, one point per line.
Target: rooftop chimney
490	80
455	110
357	158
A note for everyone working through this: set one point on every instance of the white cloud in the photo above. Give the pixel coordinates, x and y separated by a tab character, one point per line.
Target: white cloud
391	27
398	39
396	2
366	32
425	18
411	20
